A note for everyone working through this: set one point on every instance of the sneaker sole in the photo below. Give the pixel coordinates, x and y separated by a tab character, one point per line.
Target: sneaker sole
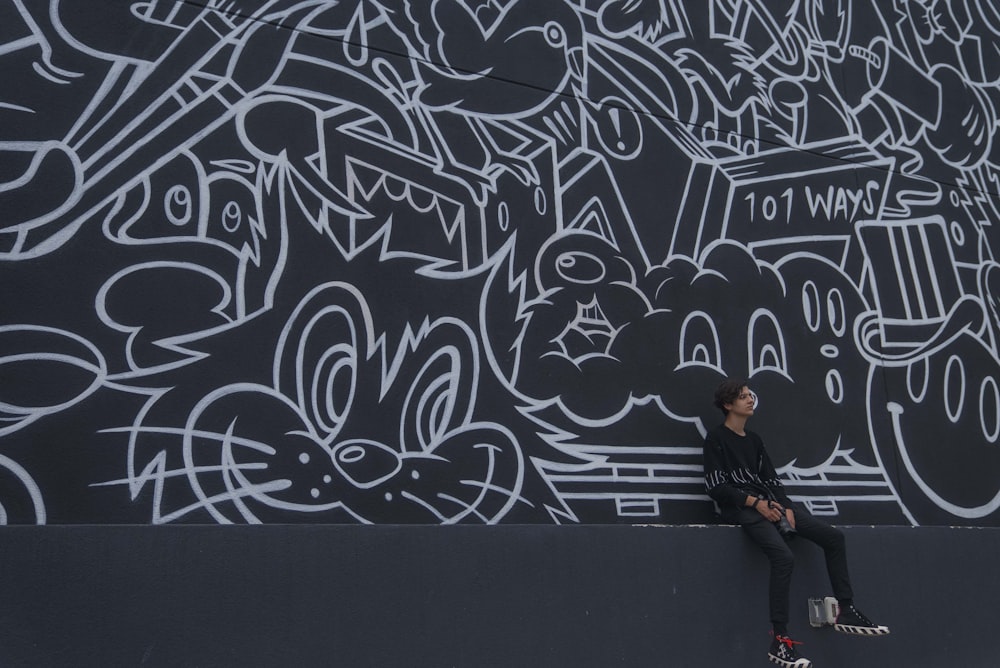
861	630
801	663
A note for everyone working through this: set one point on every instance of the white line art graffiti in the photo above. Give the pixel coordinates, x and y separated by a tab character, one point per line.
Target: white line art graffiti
484	261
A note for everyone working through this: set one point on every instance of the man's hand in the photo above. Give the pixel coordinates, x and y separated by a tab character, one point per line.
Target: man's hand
769	509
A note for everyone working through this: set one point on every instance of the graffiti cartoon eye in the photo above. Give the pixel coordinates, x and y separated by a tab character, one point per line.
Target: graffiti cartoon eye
837	312
917	379
554	34
178	206
699	344
989	409
766	346
954	388
442	392
433	402
232	216
335	379
811	307
834	384
580	268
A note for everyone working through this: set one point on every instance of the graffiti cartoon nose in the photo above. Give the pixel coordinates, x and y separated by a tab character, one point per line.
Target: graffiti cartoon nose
366	463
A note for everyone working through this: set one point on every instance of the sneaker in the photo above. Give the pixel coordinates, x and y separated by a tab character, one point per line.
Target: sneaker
783	653
850	620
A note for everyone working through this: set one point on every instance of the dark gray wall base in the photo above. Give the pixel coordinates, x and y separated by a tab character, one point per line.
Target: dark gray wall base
474	597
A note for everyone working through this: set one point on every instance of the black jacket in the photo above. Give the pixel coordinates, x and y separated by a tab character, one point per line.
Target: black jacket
739	466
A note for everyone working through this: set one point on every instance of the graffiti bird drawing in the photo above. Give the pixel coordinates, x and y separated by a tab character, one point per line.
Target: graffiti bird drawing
537	46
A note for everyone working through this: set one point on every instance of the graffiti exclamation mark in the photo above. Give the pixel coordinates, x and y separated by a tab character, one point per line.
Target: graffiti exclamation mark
616	123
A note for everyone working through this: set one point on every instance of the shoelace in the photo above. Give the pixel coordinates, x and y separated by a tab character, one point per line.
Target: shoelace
785	640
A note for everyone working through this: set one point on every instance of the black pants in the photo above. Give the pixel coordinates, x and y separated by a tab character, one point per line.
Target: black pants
766	536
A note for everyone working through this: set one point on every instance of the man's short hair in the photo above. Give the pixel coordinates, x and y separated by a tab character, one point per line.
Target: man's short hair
727	392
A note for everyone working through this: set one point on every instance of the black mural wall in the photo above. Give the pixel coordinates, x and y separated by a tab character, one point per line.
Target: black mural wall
481	261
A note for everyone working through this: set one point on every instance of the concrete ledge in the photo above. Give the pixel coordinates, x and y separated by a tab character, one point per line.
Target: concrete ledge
476	597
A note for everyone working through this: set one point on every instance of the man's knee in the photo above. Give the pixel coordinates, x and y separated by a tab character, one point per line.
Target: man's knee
833	538
823	534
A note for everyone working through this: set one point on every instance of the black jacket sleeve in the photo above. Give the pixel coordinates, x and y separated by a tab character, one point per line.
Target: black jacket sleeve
718	483
770	478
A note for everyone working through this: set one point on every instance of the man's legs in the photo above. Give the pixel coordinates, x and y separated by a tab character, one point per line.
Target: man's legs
765	535
834	547
849	619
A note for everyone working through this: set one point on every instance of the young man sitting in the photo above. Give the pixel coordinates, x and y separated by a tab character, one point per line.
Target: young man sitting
741	479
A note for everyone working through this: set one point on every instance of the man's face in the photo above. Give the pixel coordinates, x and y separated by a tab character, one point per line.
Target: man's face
744	403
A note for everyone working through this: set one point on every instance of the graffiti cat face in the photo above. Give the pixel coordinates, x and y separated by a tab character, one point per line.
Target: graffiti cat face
293	449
